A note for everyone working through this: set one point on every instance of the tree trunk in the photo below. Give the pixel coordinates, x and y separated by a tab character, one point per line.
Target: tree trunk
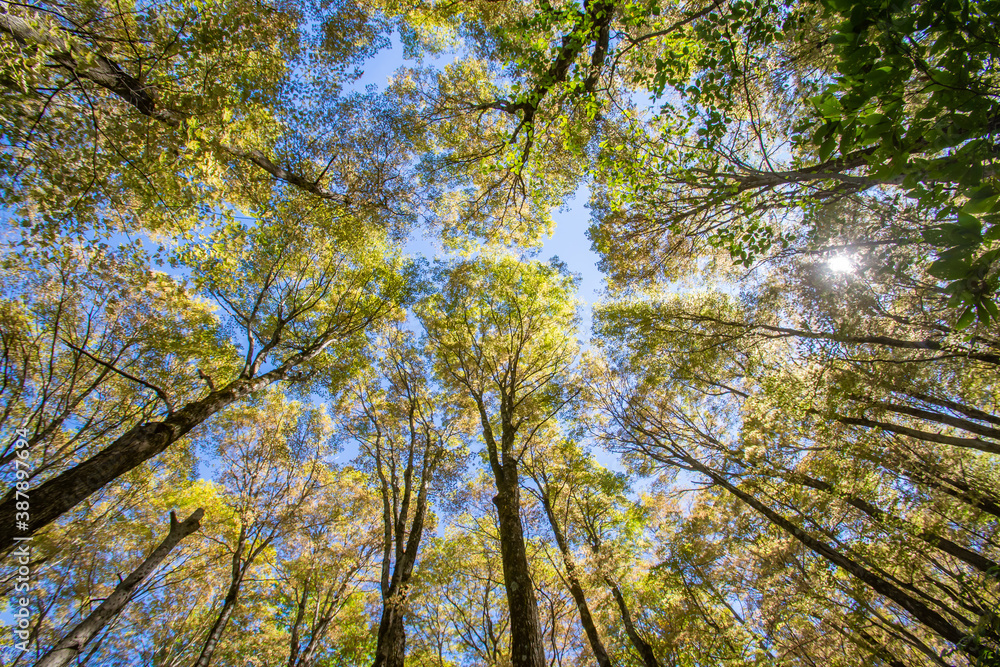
308	656
525	628
228	604
67	650
926	344
575	589
938	417
968	443
391	648
974	559
921	473
920	611
968	411
300	612
141	443
640	644
526	642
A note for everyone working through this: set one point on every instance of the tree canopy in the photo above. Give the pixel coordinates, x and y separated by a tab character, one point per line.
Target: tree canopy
286	382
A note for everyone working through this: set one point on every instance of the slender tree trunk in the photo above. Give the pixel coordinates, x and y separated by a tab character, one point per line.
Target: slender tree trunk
922	473
228	605
390	649
132	449
920	611
968	443
526	631
575	589
300	612
926	344
974	559
938	417
641	645
69	648
966	410
878	649
308	656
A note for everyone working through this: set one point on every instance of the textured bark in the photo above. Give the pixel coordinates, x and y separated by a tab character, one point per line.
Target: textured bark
390	650
526	645
575	589
69	648
525	627
135	447
641	645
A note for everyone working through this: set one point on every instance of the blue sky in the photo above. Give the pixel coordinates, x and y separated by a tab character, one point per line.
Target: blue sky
569	242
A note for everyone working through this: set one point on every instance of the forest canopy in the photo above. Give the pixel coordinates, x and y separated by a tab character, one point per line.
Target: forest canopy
286	379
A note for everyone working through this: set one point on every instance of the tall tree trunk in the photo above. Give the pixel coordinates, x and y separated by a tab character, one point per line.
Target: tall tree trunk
239	570
931	415
925	474
300	612
525	627
69	648
968	411
887	341
641	645
920	611
928	436
391	648
132	449
526	641
575	589
974	559
308	656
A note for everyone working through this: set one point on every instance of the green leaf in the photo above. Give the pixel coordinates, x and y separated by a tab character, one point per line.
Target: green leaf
981	204
968	317
950	268
826	149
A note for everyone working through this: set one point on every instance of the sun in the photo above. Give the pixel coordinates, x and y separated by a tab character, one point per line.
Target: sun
840	264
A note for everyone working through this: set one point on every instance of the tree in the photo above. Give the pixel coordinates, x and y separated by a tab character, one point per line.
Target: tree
681	424
271	457
501	333
146	100
557	472
320	588
406	432
300	292
72	644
